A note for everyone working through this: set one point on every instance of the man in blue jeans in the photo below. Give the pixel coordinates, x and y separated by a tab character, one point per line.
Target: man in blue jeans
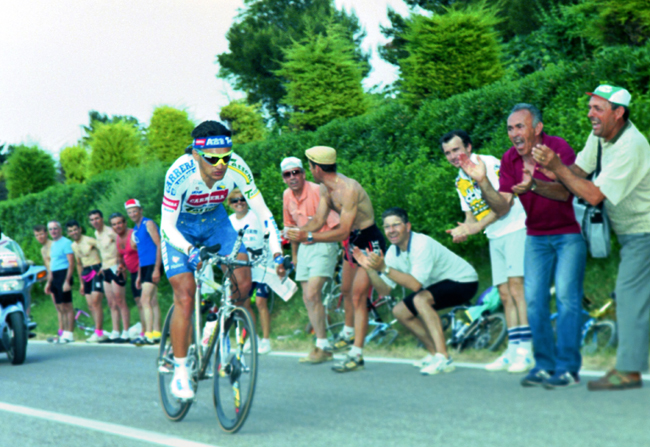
555	249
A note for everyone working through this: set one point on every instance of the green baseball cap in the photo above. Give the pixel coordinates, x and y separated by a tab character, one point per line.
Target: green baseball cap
615	95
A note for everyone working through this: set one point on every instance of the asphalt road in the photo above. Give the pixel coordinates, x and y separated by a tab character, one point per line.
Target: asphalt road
85	395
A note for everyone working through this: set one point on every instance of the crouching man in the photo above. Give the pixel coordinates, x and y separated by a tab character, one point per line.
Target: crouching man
439	277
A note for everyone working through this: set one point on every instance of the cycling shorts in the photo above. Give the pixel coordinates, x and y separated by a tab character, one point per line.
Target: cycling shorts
58	279
446	293
260	289
110	276
134	290
368	239
200	230
146	273
92	279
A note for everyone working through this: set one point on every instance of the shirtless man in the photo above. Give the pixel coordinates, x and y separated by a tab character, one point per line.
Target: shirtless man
89	269
357	222
113	281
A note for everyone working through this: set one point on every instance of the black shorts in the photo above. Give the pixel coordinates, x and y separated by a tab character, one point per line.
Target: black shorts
58	278
92	279
146	272
110	276
446	294
136	292
368	239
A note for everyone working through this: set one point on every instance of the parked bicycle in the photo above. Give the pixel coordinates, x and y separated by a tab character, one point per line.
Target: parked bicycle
487	331
597	333
234	371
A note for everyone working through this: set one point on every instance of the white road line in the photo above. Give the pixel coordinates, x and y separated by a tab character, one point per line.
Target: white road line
105	427
586	373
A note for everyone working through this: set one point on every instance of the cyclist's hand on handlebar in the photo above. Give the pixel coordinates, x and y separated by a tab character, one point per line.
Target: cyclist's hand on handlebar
194	258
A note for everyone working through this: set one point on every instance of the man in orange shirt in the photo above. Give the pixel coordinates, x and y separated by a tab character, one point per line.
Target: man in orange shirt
315	262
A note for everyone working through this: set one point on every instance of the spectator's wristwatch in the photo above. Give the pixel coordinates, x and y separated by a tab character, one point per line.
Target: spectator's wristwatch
310	237
386	270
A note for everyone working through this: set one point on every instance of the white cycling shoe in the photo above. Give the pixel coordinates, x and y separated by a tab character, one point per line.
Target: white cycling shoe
500	364
524	361
181	388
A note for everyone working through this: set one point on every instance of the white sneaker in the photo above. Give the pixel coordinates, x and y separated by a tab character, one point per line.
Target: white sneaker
424	361
247	345
264	346
440	363
181	388
500	364
524	361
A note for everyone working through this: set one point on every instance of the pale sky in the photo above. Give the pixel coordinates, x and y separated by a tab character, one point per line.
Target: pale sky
59	59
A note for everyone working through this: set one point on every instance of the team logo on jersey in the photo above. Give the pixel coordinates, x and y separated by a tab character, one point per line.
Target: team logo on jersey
178	176
215	197
170	204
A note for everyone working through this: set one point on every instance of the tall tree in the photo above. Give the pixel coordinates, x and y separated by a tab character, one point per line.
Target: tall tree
450	54
324	79
168	134
74	163
245	121
114	146
260	34
29	170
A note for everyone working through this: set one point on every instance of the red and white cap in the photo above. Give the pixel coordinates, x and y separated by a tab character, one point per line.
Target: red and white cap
131	203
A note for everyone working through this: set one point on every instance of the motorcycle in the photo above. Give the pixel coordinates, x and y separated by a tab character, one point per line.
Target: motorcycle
17	276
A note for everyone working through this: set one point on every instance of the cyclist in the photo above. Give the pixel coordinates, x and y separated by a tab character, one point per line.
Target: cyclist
193	215
59	280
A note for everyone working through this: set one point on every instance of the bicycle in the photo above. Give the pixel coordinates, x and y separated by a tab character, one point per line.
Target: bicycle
234	371
382	332
84	321
485	332
596	333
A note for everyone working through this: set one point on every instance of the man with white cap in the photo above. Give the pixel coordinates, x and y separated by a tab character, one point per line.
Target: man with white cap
624	184
357	224
147	240
315	262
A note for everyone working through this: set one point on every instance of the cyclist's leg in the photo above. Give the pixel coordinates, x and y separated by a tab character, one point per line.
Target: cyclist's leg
112	306
119	295
261	301
183	285
360	289
146	296
347	277
155	308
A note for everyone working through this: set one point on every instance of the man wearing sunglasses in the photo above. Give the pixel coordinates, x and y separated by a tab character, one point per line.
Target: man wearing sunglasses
315	262
357	225
193	216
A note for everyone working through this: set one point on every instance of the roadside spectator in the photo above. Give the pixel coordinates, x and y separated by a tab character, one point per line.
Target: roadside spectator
253	239
555	249
146	238
315	262
59	280
127	259
40	233
507	236
89	269
113	283
624	185
440	278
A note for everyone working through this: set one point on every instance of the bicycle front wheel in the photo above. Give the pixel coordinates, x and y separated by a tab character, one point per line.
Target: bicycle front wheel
173	408
491	332
600	335
235	372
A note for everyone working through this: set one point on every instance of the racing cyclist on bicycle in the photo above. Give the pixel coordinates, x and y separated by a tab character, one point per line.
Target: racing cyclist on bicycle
193	215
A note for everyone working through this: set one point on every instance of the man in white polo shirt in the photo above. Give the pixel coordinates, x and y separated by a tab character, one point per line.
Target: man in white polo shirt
507	236
439	277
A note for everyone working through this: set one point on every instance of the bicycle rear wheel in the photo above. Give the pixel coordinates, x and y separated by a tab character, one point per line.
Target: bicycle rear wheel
84	322
235	372
600	335
173	408
333	302
490	332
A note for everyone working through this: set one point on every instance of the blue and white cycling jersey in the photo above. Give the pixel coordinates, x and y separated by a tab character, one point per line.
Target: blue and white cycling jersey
186	194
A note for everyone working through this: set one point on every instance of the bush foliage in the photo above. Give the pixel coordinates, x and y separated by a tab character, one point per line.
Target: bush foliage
450	54
29	170
168	134
114	146
74	163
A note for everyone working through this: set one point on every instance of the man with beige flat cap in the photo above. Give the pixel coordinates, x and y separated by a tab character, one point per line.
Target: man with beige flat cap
357	225
624	185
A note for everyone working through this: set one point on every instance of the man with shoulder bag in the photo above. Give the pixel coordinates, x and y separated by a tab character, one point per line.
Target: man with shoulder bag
624	187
